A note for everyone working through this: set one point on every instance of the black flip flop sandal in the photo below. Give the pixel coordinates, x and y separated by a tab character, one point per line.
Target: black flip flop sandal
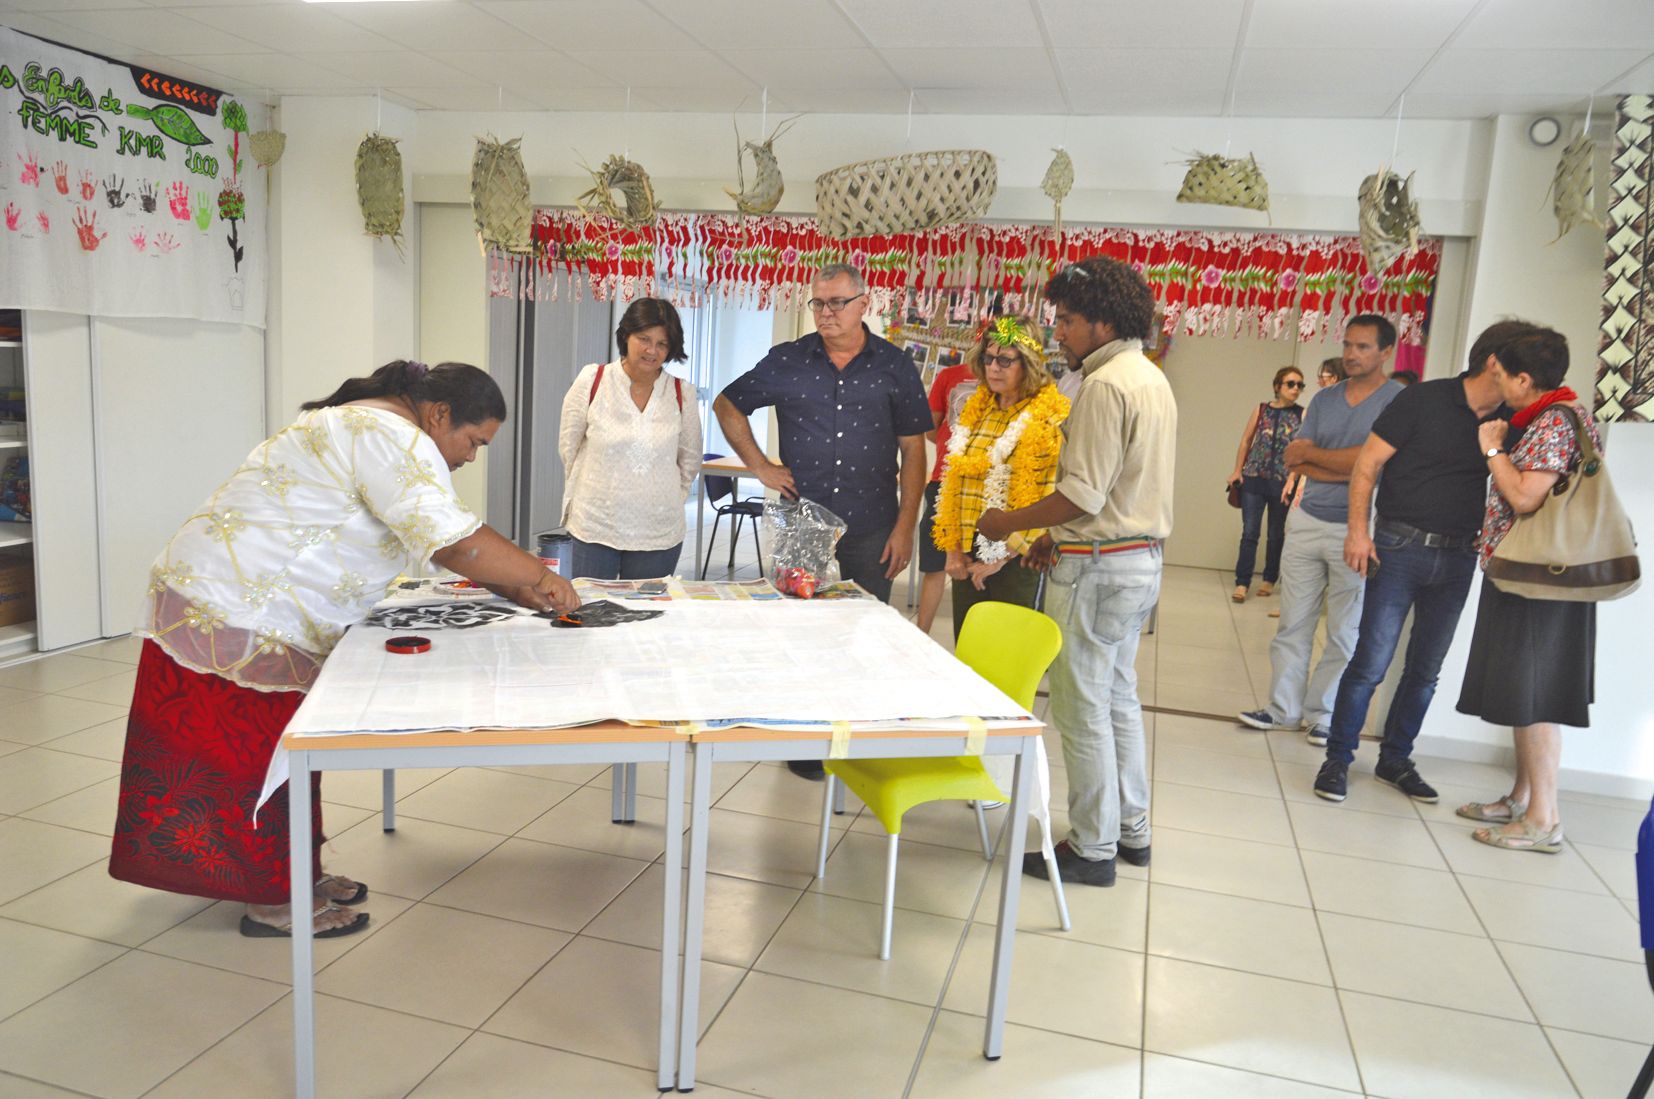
355	898
253	929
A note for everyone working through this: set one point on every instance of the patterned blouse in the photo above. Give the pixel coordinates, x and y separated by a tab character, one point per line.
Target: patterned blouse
984	435
1547	444
1266	457
261	582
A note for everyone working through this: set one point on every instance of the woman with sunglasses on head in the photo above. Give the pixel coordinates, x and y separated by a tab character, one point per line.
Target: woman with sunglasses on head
1001	454
1260	471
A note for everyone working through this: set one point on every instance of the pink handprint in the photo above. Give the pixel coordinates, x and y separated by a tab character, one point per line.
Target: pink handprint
88	189
13	216
164	243
138	239
178	201
86	228
45	221
60	177
30	175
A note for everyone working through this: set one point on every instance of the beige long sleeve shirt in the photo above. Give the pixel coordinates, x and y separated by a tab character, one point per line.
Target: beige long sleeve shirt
1121	442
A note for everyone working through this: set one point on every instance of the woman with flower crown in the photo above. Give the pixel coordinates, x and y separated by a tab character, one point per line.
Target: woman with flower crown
1001	454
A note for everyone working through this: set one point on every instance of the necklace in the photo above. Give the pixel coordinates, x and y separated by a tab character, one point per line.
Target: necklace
1003	486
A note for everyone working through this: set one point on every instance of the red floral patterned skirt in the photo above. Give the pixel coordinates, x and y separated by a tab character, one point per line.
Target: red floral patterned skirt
197	747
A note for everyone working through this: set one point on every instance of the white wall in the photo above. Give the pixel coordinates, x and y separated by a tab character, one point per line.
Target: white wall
453	311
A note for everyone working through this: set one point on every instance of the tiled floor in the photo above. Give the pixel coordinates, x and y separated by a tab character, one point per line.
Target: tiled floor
1279	947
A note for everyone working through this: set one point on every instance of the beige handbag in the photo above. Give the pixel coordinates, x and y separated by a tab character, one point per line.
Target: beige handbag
1578	546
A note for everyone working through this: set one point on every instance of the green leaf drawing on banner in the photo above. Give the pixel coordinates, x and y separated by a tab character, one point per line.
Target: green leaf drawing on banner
172	121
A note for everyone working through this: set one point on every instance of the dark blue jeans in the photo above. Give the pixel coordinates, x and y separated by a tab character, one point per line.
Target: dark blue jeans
1432	583
1260	494
602	562
858	560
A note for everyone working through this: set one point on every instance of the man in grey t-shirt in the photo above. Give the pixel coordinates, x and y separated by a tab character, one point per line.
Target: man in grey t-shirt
1337	423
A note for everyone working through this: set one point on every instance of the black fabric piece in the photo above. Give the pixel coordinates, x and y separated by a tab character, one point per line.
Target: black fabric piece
439	616
600	613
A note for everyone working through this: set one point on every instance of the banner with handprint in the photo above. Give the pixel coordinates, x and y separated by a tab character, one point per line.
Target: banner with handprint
126	192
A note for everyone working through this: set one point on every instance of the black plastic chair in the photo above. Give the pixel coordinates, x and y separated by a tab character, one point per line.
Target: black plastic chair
751	508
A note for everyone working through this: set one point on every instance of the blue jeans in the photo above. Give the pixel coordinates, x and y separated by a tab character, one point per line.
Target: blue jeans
1432	583
1260	494
858	560
600	562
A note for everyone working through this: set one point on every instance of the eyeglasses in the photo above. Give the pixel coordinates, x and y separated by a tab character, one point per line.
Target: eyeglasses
1292	385
1004	362
831	305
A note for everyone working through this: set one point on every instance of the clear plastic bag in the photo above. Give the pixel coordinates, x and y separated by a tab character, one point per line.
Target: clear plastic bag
802	536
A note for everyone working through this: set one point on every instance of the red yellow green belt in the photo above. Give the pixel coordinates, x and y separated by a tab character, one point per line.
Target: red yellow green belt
1112	545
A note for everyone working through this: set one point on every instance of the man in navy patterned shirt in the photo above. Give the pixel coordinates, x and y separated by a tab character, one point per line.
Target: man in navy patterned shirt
848	403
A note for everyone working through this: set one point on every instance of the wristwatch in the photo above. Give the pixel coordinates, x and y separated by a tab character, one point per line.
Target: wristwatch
1491	451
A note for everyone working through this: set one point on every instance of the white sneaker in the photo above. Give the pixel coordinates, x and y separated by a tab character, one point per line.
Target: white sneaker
1318	736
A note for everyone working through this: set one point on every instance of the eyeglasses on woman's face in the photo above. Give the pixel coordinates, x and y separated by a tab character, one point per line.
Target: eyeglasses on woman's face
831	305
1009	361
1299	384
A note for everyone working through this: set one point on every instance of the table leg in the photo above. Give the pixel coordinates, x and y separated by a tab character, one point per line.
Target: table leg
631	793
700	517
617	793
671	915
999	989
387	819
700	817
302	889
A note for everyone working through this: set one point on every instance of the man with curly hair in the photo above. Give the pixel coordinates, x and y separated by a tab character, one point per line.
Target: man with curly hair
1107	520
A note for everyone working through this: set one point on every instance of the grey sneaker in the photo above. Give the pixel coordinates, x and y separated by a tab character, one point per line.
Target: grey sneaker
1262	719
1318	736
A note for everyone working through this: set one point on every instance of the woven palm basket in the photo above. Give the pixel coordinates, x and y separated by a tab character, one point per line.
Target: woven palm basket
267	145
905	194
1573	187
499	195
1225	181
379	186
1388	217
629	178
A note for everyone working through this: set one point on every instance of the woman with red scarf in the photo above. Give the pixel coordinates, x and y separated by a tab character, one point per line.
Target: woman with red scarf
1532	661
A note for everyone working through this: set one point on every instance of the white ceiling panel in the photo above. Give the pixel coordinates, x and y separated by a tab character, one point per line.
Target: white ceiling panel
991	101
919	23
1534	72
1105	98
1352	26
424	26
46	27
1144	70
1485	104
290	28
1343	70
477	98
712	101
1322	102
1183	24
1563	24
813	70
1638	80
278	73
383	70
577	25
689	70
744	25
978	67
162	32
836	101
47	7
539	70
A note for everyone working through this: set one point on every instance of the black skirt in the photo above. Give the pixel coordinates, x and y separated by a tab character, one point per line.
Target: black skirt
1531	661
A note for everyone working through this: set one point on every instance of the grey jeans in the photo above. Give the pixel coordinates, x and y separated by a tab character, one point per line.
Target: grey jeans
1101	604
1312	566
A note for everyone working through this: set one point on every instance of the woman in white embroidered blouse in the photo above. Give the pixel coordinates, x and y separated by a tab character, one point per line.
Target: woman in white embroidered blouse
631	448
253	592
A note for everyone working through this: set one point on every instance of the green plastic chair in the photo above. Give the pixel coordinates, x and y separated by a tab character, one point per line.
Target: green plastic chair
1009	646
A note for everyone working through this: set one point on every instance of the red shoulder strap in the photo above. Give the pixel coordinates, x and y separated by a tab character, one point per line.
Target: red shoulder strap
677	384
597	381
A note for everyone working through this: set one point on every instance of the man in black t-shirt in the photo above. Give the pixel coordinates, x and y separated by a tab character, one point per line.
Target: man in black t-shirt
1419	556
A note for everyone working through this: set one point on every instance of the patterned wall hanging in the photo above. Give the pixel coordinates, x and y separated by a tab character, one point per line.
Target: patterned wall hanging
1225	181
499	195
1625	368
629	178
905	194
379	187
767	185
1573	191
1388	217
1224	283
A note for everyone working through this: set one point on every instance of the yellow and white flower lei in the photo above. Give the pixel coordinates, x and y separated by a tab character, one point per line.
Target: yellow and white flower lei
1001	487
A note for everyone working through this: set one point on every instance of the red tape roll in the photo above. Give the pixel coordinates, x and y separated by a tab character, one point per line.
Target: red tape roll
409	644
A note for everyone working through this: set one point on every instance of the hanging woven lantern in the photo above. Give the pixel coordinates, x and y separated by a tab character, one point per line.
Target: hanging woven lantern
267	146
1058	181
499	195
1573	187
379	187
905	194
767	185
629	178
1224	181
1389	219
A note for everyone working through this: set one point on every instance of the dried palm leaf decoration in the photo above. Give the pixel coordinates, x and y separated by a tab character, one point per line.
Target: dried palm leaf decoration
767	186
379	187
1058	181
1389	219
1573	187
267	146
1224	181
499	195
905	194
620	174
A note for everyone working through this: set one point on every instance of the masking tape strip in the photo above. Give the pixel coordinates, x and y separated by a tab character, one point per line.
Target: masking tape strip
840	748
976	735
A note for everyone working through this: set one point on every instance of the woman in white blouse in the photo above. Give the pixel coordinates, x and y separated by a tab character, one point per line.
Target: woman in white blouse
631	449
254	591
